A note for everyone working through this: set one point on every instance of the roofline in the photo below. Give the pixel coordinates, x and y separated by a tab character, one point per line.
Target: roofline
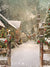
5	21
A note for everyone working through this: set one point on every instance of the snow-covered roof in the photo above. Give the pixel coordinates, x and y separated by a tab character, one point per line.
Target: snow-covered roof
1	24
3	17
15	24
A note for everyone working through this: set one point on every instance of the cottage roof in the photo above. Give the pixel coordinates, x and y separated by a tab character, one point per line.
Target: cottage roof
15	24
1	24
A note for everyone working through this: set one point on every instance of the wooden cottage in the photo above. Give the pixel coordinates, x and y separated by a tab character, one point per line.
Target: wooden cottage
11	25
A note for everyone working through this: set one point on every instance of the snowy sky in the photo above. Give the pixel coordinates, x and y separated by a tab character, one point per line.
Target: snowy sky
23	8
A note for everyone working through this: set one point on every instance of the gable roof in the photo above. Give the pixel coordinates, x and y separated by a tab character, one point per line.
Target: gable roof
12	23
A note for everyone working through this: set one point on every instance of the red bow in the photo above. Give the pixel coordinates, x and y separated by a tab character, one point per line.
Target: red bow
6	41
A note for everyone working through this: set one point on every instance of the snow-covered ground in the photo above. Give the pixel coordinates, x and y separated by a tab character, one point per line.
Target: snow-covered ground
26	55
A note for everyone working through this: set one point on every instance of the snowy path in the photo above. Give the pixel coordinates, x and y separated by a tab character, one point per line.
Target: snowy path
27	55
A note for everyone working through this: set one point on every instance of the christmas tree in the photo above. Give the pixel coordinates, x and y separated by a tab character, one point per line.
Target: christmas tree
47	32
47	27
46	41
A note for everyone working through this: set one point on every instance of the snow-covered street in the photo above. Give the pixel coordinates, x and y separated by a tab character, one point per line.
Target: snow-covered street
26	55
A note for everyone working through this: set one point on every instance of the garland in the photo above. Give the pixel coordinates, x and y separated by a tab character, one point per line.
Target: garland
44	42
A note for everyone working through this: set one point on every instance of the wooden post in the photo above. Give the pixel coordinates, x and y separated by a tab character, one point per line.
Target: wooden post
41	46
9	51
41	54
9	55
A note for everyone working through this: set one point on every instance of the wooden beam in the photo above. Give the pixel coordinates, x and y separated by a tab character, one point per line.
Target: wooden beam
41	54
9	54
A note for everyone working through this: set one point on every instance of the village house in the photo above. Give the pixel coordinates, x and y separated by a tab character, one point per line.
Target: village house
13	26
